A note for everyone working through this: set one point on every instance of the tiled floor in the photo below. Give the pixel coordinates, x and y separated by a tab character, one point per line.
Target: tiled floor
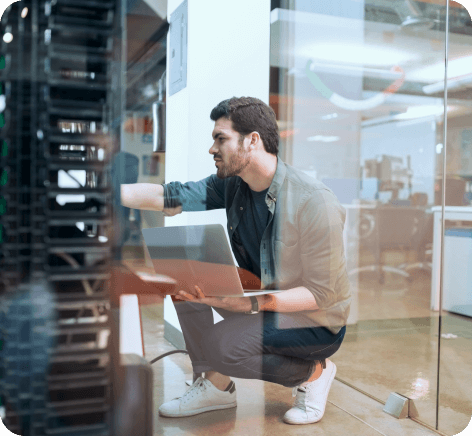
261	405
392	348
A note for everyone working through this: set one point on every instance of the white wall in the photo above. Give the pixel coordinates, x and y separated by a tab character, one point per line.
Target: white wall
226	58
228	55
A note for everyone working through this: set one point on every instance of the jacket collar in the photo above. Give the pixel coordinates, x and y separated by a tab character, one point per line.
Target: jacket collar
275	186
278	180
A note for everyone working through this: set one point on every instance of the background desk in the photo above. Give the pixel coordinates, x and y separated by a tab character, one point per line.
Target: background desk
453	213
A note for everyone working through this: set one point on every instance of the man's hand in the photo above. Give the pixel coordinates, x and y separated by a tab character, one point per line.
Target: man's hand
172	211
233	304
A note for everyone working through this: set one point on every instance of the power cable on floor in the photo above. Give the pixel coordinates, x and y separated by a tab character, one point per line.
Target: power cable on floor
167	354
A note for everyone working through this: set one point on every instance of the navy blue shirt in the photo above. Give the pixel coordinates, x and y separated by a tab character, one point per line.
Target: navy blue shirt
251	228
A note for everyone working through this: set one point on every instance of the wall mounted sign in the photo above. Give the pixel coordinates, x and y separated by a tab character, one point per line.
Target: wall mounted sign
178	49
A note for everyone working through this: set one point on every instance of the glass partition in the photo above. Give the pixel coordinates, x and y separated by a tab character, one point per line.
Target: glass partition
356	86
455	391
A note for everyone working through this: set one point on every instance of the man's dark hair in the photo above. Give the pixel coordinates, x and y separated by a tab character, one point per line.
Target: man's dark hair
249	114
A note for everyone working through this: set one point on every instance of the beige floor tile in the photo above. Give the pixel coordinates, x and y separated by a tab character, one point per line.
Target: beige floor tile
399	351
260	405
371	412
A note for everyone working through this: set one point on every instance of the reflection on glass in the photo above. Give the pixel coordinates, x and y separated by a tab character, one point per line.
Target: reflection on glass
455	394
420	388
358	89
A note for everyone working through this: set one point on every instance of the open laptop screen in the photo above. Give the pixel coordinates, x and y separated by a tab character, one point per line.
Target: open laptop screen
195	255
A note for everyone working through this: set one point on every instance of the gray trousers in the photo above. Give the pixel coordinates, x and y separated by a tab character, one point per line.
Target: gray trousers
280	348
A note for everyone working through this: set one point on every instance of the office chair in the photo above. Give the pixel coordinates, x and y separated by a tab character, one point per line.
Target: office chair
390	227
424	248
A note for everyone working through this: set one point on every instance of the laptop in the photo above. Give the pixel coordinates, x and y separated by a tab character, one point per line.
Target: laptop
196	255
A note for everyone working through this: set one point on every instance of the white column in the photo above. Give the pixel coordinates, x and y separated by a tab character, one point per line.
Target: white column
228	55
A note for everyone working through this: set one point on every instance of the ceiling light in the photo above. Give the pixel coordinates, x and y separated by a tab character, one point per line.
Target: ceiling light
435	73
421	112
321	138
413	115
8	37
354	71
331	139
329	117
24	12
356	54
452	85
457	67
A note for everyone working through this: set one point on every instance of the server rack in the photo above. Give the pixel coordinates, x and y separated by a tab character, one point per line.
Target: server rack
56	332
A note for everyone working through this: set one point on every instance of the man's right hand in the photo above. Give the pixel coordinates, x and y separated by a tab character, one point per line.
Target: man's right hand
172	211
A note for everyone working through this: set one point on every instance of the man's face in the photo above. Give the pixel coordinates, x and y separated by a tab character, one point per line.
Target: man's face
229	151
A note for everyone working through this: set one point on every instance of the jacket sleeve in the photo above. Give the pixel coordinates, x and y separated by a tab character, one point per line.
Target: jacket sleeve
206	194
321	224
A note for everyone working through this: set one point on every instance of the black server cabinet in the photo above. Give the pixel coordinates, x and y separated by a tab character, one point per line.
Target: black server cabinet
58	137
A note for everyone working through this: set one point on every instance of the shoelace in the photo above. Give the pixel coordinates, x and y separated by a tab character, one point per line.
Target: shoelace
199	383
299	393
296	388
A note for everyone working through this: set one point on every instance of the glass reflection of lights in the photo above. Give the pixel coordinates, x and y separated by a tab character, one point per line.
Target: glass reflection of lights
420	388
8	37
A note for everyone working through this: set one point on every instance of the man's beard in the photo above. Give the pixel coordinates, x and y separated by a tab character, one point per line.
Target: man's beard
237	163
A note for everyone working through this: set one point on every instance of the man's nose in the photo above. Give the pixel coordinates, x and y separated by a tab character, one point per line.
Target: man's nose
213	149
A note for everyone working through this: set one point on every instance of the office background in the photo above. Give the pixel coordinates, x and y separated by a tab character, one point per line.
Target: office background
358	87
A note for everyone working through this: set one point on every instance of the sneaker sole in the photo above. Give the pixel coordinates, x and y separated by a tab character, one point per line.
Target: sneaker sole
289	421
198	411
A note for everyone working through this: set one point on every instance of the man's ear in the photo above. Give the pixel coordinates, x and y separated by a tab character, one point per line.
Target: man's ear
255	139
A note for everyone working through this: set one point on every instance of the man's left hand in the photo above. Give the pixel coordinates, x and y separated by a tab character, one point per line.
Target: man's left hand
233	304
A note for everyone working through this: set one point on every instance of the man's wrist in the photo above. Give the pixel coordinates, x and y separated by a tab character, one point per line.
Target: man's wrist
254	306
267	302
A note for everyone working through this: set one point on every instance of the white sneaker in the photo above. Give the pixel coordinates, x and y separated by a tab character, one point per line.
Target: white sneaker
310	401
201	397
